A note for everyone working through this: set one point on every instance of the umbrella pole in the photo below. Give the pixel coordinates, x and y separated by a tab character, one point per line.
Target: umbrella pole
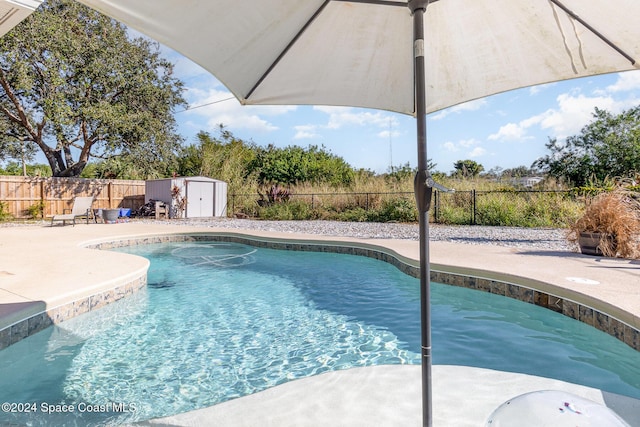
423	199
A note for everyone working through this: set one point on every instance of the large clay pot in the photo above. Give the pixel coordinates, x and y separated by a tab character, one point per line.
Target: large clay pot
590	243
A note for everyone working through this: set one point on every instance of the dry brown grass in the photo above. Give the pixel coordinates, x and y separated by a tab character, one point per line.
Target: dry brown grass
616	214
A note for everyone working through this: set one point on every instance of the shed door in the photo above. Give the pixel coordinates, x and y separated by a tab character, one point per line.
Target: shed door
199	199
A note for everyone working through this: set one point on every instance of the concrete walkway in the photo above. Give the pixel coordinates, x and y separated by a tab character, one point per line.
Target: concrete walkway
46	267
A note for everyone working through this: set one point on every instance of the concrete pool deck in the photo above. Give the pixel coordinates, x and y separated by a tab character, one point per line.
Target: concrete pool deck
45	270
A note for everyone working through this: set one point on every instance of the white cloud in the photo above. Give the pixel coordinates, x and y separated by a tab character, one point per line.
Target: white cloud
534	90
340	117
346	119
513	131
466	143
627	81
573	113
467	106
470	146
386	134
216	107
477	152
306	132
450	146
507	132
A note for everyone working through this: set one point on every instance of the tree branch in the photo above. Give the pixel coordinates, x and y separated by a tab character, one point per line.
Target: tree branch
21	117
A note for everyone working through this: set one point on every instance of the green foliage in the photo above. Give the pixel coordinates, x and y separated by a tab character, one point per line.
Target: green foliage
71	77
454	208
4	212
13	147
141	165
290	210
190	158
453	215
36	210
370	200
399	174
497	210
509	208
356	214
518	172
467	168
293	165
396	210
526	209
224	157
608	147
14	168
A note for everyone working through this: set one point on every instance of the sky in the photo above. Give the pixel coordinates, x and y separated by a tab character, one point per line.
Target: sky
502	131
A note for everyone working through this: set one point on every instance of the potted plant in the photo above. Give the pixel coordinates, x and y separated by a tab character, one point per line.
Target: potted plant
610	225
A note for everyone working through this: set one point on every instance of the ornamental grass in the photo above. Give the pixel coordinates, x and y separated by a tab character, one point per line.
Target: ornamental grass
616	215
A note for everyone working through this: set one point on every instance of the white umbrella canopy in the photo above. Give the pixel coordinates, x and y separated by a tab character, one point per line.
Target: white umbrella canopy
12	12
409	57
361	53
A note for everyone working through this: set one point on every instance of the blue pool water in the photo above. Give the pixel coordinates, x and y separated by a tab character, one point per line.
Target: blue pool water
219	321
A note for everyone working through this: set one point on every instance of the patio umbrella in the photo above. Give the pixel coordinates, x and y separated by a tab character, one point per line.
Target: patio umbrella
410	57
12	12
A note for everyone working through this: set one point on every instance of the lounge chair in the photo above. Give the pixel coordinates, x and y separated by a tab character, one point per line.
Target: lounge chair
81	208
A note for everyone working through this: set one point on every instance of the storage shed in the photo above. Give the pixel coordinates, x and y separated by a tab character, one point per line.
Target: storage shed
204	197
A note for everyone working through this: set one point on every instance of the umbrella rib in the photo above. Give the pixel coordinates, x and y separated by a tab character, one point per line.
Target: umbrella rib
594	31
287	48
304	28
377	2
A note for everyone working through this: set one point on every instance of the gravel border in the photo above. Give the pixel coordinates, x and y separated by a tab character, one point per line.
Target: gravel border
552	239
518	237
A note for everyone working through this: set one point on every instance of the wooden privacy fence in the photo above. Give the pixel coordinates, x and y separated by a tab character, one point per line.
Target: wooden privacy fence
19	193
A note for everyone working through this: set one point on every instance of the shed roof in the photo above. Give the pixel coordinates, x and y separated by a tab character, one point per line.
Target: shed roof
189	178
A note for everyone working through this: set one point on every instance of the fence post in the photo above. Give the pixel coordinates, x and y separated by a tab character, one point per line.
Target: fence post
42	198
473	207
366	203
109	195
436	205
312	201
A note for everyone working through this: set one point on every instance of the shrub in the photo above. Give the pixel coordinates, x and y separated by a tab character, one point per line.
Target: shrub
290	210
4	213
396	210
36	210
356	214
498	210
453	215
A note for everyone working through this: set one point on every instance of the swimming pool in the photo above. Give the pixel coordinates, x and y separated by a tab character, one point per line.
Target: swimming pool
221	320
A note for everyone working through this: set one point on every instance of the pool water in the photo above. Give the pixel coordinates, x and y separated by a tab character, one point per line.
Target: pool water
220	321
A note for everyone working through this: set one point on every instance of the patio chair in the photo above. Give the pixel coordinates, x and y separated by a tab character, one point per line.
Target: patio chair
81	208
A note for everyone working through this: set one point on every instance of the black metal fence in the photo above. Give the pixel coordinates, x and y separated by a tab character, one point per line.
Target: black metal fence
473	207
502	207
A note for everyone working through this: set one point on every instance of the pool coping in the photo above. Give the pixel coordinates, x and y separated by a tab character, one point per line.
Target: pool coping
572	303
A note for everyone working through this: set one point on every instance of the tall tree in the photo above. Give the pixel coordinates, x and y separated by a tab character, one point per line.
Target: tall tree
467	168
607	147
75	84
